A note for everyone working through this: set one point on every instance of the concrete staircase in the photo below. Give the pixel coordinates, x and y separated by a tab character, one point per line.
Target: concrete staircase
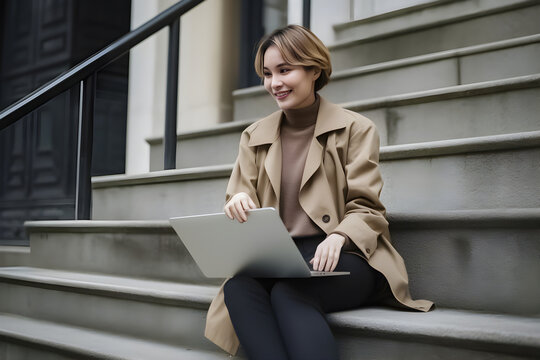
453	88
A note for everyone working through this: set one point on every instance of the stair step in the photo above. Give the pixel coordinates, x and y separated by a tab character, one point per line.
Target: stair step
434	175
454	112
214	146
455	29
160	195
467	99
166	312
426	14
473	243
14	255
506	59
140	249
49	340
439	334
460	258
495	335
130	288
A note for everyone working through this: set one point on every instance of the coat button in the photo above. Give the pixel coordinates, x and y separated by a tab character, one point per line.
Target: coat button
368	251
326	218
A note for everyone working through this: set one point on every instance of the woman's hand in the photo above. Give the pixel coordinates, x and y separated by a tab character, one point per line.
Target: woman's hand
238	206
327	254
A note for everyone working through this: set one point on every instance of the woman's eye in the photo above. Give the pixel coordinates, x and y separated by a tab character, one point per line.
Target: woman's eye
283	71
267	74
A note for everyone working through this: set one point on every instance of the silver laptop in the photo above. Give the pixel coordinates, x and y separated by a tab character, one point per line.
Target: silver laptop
259	247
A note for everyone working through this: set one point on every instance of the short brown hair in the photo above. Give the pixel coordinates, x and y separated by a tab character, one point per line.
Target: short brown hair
298	46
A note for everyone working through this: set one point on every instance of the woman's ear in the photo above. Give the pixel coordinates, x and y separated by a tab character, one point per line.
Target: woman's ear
316	73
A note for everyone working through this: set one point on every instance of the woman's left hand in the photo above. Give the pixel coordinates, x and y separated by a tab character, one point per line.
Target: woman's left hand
327	254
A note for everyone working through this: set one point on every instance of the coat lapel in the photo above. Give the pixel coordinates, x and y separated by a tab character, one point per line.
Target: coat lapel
313	161
326	121
272	165
267	132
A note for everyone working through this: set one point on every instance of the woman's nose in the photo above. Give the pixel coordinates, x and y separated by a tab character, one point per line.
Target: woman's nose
276	82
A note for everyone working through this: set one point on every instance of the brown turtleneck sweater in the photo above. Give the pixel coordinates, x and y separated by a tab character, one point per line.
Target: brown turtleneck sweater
297	128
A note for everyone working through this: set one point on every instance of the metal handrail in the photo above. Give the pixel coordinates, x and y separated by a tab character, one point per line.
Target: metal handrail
85	74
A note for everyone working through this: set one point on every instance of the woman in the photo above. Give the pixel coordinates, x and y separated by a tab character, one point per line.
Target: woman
318	164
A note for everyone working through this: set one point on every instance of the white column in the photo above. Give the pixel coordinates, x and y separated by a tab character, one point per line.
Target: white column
294	12
209	44
146	92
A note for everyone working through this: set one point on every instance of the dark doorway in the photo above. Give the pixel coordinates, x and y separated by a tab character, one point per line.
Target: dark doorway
39	39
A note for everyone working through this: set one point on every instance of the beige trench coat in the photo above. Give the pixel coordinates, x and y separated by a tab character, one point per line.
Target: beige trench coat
341	183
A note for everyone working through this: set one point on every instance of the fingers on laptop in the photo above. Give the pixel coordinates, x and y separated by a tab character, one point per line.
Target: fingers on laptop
231	211
326	256
238	206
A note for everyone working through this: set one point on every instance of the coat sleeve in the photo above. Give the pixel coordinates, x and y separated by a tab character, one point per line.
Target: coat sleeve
364	219
245	173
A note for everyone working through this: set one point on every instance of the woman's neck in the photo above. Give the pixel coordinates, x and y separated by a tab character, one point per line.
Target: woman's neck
303	117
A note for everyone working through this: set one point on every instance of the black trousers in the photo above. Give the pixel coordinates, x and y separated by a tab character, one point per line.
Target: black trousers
279	319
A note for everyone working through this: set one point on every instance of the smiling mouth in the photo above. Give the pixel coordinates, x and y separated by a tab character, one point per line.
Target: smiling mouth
282	94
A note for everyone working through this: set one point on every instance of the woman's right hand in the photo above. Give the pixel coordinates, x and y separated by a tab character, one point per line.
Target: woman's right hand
238	206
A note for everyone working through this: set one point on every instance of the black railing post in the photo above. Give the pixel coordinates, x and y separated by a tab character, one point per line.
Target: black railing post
306	13
83	196
171	105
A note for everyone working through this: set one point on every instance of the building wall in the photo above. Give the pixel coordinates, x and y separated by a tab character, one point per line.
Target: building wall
208	71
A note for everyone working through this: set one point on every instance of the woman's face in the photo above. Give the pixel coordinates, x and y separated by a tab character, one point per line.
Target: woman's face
292	86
